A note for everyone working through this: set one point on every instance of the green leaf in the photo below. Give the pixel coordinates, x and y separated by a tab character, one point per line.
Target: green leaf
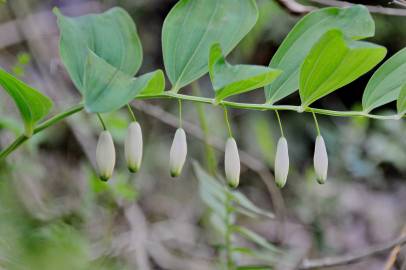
192	26
255	238
111	35
401	103
107	89
334	62
247	205
31	103
231	80
211	191
355	22
384	86
155	87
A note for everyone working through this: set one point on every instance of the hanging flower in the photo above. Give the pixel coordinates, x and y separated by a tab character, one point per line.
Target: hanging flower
105	156
281	162
232	163
133	147
320	160
178	152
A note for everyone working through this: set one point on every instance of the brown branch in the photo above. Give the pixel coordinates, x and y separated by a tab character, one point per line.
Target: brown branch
294	7
394	253
346	259
352	257
401	3
372	9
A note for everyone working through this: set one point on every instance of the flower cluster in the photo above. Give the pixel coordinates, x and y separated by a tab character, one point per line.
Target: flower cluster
320	161
133	146
106	154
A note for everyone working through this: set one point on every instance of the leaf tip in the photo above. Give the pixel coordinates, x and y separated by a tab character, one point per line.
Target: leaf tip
56	11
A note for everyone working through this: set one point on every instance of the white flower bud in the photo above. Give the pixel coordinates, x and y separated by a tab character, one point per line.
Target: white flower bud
281	162
133	147
232	163
105	156
320	160
178	152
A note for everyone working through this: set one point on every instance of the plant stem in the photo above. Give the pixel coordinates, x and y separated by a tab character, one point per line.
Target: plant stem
238	105
44	125
266	107
101	121
209	151
229	230
316	123
180	112
230	132
132	115
280	123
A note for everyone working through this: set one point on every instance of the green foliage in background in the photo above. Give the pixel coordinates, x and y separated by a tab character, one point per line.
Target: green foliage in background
225	205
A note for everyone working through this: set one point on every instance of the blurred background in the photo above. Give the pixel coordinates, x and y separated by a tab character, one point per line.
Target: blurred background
56	214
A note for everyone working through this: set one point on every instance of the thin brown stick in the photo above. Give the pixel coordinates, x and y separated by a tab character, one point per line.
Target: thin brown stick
346	259
372	9
394	253
352	257
294	7
401	3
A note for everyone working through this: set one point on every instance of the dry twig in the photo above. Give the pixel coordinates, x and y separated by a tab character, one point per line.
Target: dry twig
294	7
351	257
372	9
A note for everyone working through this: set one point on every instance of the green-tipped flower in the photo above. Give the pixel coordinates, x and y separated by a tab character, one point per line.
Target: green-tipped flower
232	163
281	162
105	156
320	160
178	152
133	147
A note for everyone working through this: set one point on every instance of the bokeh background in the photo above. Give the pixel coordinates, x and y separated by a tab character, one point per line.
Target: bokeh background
56	214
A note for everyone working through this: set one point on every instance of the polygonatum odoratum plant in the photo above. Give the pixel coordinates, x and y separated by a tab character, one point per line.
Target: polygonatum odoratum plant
102	53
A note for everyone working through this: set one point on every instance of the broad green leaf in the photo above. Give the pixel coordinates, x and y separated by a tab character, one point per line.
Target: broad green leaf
384	86
228	80
355	22
31	103
401	103
107	89
111	35
192	26
334	62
